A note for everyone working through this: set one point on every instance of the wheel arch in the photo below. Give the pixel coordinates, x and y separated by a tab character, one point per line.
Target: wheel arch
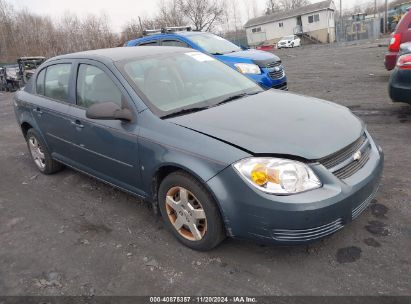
25	127
26	123
166	169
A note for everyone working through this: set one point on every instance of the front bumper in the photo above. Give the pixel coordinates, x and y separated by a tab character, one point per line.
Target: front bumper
267	82
251	214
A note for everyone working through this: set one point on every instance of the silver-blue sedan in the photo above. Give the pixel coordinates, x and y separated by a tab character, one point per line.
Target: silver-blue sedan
216	154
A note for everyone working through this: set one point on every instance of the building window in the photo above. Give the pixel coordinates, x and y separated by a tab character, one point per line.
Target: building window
314	18
256	29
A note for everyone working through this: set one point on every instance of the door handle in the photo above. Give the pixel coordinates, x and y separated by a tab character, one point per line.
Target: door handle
77	123
37	110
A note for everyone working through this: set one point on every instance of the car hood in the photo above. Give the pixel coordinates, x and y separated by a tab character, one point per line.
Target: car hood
254	55
279	123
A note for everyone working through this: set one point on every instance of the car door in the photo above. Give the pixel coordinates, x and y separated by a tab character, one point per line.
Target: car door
107	149
51	102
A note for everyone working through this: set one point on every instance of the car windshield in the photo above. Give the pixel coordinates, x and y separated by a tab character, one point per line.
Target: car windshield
288	38
214	44
176	82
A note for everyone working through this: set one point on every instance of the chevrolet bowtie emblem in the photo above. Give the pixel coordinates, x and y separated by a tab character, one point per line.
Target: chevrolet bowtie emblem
357	155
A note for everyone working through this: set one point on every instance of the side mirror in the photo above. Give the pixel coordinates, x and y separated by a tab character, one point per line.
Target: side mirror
108	111
244	48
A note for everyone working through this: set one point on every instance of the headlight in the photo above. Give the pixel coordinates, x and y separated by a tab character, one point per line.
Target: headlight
278	176
248	68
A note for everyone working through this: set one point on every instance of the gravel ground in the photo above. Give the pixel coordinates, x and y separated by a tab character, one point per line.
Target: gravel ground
70	234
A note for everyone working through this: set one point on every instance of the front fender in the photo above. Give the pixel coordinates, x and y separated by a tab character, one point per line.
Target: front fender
163	143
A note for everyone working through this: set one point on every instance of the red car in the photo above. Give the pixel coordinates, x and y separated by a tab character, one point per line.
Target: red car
265	48
401	35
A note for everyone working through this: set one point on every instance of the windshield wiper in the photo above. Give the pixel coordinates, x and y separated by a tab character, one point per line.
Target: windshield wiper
197	109
184	111
219	53
234	97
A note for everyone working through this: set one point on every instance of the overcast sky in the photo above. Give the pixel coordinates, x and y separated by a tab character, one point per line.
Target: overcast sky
120	11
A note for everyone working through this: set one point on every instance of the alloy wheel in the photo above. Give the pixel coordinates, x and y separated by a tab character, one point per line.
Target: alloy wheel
186	213
37	153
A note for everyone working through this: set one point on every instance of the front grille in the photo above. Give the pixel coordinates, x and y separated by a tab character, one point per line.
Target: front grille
340	156
273	64
342	163
354	166
277	74
294	235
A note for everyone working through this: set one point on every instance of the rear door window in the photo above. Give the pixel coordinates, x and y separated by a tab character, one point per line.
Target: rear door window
40	82
94	86
153	42
57	82
174	43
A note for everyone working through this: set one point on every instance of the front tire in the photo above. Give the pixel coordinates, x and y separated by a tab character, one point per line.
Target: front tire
40	155
190	212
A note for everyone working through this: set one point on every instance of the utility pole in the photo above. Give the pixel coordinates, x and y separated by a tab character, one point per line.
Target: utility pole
375	8
141	26
386	17
341	19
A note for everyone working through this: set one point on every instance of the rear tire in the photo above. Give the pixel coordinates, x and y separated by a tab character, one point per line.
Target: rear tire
190	212
40	155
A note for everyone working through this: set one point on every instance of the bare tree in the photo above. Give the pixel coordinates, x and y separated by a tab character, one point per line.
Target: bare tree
203	14
23	33
288	5
170	14
272	6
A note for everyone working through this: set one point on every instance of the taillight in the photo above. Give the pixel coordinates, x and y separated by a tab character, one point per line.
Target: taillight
404	62
395	43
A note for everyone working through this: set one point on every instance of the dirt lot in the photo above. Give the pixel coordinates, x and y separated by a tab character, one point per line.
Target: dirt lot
69	234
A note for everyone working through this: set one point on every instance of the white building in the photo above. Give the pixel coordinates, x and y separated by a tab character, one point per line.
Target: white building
315	21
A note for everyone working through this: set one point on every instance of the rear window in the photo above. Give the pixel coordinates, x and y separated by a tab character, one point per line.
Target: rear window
57	81
40	82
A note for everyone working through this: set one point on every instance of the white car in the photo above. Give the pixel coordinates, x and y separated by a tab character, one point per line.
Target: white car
289	42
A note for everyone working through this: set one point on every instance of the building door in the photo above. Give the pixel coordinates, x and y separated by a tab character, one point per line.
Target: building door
299	27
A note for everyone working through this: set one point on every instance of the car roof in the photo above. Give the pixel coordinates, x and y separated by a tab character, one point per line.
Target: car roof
122	53
185	34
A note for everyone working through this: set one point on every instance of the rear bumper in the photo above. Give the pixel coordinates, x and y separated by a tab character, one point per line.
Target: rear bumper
251	214
390	60
400	86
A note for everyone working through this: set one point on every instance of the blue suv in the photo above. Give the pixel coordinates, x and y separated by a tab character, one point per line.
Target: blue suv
262	67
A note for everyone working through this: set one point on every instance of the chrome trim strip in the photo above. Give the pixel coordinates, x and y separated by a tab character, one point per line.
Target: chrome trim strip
361	207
